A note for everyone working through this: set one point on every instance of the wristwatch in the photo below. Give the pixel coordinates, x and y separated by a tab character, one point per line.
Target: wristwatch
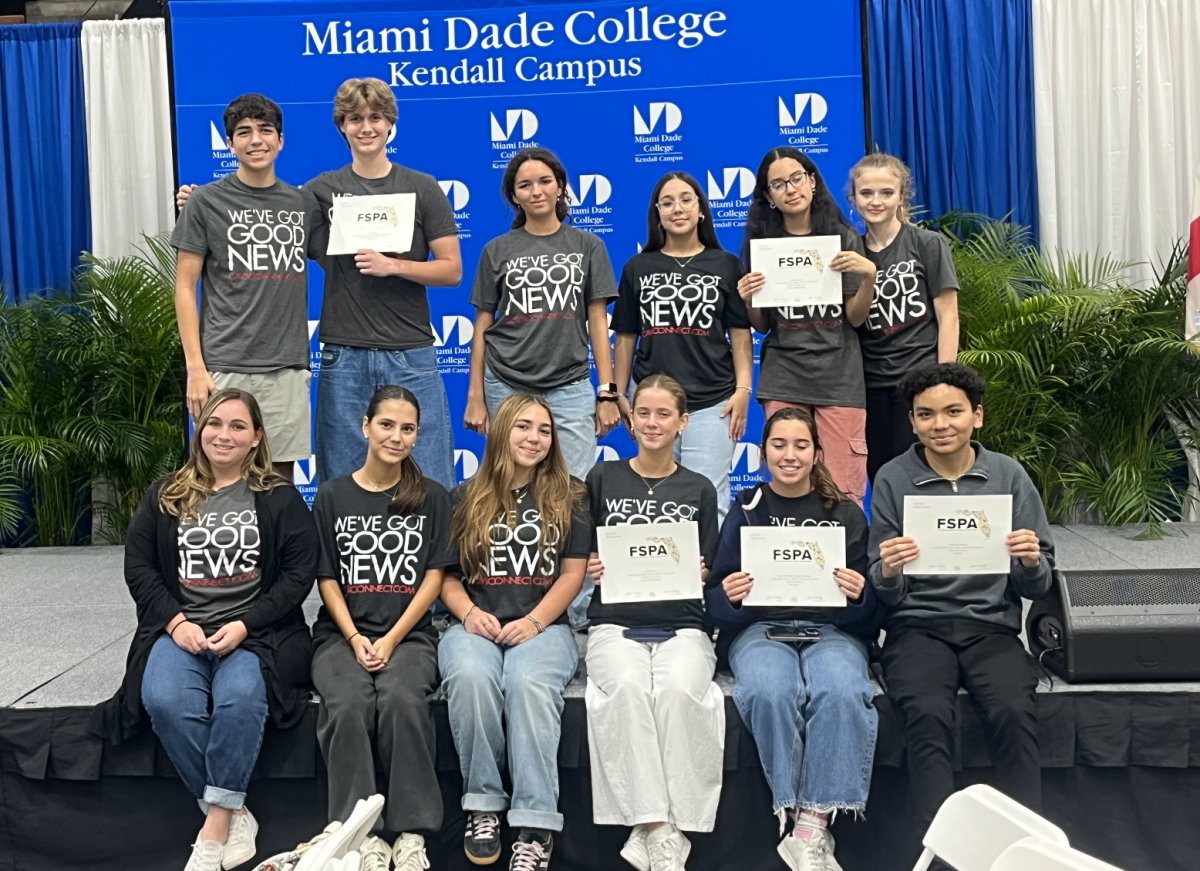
610	387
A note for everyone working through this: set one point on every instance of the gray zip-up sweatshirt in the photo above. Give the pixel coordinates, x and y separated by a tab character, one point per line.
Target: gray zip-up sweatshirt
990	598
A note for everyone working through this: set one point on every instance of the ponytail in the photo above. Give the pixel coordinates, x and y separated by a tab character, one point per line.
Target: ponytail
412	488
819	476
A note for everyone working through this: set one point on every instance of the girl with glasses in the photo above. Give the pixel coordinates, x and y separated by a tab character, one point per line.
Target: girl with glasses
810	357
679	314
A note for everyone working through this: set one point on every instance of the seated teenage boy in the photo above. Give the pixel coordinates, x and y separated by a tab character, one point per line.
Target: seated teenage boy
247	238
946	631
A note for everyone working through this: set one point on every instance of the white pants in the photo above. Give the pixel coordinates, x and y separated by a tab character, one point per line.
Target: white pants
656	729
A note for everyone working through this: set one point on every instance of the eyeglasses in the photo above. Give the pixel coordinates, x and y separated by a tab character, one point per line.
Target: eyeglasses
795	180
684	202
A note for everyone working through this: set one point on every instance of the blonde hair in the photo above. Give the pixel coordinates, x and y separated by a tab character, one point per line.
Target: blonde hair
186	491
898	168
488	496
354	94
659	381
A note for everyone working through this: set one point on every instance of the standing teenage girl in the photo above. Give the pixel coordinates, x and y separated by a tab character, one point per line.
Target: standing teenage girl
810	357
521	529
541	291
809	706
913	320
680	311
384	536
218	558
656	720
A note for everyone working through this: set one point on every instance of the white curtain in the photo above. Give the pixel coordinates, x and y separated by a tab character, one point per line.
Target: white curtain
1117	102
128	132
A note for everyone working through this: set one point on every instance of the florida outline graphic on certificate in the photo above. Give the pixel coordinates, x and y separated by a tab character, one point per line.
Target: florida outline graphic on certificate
959	534
649	562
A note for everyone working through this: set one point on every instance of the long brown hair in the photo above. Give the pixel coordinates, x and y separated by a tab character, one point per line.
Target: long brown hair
488	496
188	488
821	480
508	184
411	489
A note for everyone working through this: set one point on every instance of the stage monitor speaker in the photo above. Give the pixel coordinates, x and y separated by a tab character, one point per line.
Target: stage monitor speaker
1119	625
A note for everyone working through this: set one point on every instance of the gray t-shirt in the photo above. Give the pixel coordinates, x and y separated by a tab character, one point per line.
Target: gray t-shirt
539	288
901	334
811	354
254	287
366	311
219	558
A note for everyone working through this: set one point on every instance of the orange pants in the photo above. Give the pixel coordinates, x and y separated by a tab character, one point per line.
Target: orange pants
843	434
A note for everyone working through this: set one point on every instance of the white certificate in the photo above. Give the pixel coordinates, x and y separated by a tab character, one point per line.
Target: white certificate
959	535
797	271
793	565
379	222
649	562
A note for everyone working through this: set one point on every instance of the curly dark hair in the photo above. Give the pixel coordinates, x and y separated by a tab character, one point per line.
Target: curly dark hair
256	107
957	375
765	222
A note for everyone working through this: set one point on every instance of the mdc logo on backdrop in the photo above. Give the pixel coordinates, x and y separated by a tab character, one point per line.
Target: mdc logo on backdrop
654	133
588	211
454	344
466	464
729	195
459	195
223	160
512	131
800	121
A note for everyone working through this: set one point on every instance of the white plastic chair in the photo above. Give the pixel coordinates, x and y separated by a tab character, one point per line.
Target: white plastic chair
1035	854
339	852
975	825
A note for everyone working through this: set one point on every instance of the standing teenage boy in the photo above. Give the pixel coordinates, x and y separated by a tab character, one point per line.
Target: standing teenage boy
375	317
944	631
247	238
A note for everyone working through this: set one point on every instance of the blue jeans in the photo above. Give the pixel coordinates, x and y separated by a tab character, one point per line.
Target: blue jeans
811	714
574	410
347	378
524	684
706	448
215	751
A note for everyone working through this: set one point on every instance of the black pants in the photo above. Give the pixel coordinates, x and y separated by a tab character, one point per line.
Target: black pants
385	716
924	663
889	431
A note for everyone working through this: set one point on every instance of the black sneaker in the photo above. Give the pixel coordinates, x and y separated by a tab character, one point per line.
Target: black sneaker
482	840
531	852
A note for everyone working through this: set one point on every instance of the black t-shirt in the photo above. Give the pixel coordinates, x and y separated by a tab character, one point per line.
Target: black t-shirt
811	353
379	559
682	314
809	510
901	333
522	566
618	497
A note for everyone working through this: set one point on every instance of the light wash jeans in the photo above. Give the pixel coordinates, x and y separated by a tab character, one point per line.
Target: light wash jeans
347	378
484	683
215	751
574	410
811	714
706	448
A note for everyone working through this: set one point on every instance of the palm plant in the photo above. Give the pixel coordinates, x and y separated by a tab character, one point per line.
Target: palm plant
1084	371
90	394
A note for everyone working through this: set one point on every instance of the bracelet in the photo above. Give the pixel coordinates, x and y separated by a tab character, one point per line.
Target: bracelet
747	389
536	625
351	638
609	398
171	632
468	614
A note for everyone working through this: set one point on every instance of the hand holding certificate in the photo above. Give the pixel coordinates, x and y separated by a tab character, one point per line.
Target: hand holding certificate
650	562
797	270
794	565
959	535
378	222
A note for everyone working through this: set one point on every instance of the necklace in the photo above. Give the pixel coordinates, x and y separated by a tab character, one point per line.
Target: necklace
520	493
378	487
649	488
686	262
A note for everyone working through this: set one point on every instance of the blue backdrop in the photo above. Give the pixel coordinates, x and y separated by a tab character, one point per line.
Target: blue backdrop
952	96
45	215
622	93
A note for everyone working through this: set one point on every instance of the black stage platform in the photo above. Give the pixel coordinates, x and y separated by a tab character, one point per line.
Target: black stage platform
1121	763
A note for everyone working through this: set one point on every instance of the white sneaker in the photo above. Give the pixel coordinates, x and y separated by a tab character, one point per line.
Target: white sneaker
375	854
634	852
239	846
809	854
408	853
668	848
206	856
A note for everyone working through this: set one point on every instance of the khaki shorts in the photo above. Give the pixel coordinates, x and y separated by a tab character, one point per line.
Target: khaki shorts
284	398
